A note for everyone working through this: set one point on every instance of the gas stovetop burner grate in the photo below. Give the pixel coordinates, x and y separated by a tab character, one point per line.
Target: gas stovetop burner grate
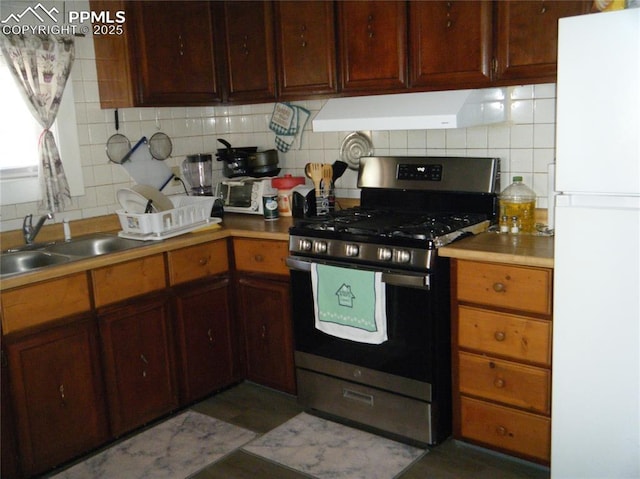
391	224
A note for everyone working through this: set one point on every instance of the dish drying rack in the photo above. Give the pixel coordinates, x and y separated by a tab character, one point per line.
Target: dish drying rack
189	213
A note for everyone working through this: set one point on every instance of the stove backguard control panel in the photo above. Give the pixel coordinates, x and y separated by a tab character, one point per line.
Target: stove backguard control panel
419	172
430	173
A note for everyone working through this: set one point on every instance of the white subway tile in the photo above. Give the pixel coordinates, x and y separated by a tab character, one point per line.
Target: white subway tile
477	137
544	110
417	139
544	135
522	111
521	92
521	136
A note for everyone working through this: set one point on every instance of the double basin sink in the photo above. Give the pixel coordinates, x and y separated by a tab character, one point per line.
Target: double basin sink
36	256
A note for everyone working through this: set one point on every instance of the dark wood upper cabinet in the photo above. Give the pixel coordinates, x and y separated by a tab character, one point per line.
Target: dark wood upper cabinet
176	58
527	38
372	38
234	52
450	44
305	48
166	55
249	51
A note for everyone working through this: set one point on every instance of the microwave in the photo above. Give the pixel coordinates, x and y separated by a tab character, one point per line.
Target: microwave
243	195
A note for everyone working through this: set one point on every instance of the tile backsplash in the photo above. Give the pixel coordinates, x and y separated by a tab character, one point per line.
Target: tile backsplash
525	144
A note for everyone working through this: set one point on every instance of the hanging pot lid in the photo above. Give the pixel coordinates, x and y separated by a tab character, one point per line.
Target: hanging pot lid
354	146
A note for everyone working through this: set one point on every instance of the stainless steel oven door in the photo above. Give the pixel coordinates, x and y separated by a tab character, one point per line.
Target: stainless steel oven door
413	363
415	323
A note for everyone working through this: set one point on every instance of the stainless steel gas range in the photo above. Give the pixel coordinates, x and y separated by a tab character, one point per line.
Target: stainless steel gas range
400	382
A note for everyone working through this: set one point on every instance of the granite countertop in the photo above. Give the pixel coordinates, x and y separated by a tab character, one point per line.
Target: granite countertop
524	250
233	225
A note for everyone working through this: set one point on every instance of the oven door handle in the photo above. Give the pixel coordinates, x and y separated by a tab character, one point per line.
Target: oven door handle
393	278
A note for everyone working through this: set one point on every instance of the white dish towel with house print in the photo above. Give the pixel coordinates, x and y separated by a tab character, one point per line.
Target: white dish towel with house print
349	303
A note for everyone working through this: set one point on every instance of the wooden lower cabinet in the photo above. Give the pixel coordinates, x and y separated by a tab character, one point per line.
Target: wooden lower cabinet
501	335
519	432
264	307
138	356
58	394
206	359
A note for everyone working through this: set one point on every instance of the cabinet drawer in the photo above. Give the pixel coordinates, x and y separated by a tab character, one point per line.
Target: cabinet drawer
515	287
38	303
505	334
198	261
520	432
126	280
261	256
527	387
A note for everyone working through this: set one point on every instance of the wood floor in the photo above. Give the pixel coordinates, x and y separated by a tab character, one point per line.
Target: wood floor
260	409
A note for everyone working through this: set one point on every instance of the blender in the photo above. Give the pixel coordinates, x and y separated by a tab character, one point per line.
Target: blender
197	170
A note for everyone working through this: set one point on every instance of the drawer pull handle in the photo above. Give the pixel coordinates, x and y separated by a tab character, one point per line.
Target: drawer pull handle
357	396
501	431
499	336
499	288
203	261
210	335
499	383
259	258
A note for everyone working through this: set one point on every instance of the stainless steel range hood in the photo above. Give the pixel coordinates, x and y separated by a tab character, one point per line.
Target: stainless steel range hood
414	111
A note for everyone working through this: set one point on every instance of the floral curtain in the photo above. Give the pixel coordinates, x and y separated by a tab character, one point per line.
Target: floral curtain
41	65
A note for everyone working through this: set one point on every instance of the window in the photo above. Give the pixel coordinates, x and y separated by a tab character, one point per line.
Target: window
19	134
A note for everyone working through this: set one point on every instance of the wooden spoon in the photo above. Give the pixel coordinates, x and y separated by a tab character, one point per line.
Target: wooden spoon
327	175
315	173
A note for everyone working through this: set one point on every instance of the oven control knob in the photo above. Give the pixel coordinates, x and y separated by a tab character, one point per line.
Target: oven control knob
352	250
304	245
319	246
401	256
384	254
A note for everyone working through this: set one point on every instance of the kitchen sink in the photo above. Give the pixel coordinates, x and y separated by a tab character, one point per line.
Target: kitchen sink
92	246
36	256
23	261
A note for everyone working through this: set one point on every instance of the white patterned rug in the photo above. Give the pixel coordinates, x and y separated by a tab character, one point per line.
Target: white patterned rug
176	448
328	450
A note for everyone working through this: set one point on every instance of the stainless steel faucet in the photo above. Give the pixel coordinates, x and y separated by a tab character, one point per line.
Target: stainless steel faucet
29	231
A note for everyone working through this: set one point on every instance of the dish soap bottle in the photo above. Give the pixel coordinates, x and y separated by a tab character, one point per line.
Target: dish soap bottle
518	200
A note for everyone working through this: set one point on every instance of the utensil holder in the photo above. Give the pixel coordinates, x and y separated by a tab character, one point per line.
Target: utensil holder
326	200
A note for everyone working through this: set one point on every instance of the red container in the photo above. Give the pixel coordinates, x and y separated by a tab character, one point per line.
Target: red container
284	184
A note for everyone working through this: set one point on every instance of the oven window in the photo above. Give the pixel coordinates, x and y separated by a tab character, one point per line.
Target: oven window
417	327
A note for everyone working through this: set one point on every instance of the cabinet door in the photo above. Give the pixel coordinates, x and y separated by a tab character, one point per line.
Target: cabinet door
203	329
527	37
176	59
249	44
265	308
57	395
138	362
450	43
8	441
373	45
116	75
305	48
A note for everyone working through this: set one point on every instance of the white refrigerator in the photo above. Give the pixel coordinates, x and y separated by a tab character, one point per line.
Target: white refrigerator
595	429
